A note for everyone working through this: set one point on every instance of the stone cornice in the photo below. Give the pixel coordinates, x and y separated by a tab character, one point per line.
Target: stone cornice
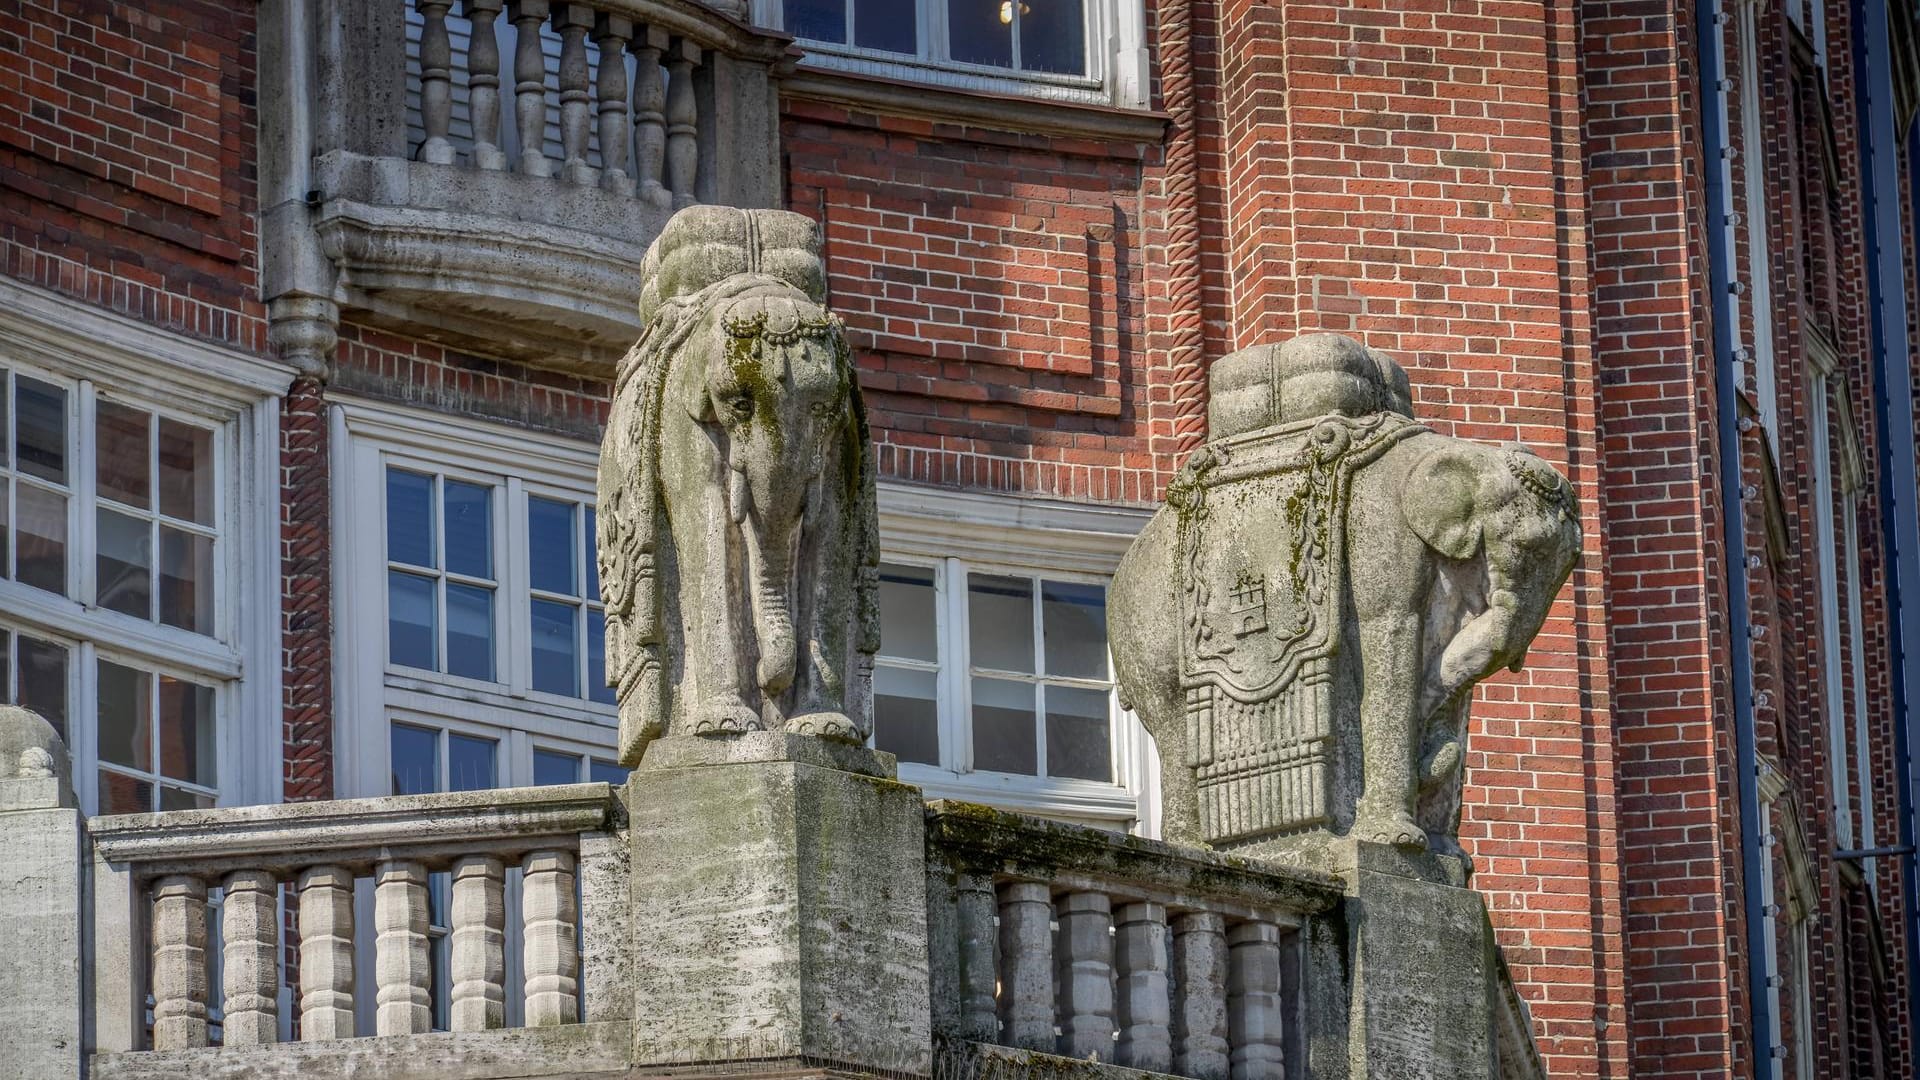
998	112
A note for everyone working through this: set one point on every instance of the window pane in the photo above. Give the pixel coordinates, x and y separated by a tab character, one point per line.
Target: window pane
906	714
606	772
1000	622
186	471
124	565
122	794
6	444
554	768
40	429
907	626
469	529
597	688
43	681
556	649
186	580
887	25
1078	734
818	20
410	518
470	763
186	731
981	32
6	529
551	548
173	798
416	759
1053	36
1003	727
41	560
412	630
1073	621
592	555
125	716
469	631
124	441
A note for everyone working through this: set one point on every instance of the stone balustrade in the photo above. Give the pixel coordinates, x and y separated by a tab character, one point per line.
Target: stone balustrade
153	874
1072	941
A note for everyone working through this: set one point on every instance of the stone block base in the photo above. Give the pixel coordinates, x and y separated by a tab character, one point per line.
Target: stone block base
1424	973
779	906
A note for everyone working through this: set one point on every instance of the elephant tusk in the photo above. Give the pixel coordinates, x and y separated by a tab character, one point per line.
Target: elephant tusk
737	494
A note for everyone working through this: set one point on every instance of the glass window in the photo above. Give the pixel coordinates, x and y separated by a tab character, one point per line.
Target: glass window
1035	696
569	628
1043	37
441	578
156	740
571	767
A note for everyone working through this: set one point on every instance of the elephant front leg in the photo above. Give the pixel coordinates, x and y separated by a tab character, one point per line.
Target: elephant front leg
712	621
1390	733
828	567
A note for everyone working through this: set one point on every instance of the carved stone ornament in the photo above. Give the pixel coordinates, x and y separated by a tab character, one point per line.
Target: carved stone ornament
1301	626
738	546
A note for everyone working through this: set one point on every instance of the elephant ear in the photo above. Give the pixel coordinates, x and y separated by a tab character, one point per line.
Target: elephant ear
1439	502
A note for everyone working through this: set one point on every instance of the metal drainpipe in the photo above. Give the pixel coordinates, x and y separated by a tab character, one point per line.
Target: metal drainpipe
1710	25
1893	408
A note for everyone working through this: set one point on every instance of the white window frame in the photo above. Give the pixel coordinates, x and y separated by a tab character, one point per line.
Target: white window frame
1834	695
1754	214
95	353
369	436
970	531
1116	49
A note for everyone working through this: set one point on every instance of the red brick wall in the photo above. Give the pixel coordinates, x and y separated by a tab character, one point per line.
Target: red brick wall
127	159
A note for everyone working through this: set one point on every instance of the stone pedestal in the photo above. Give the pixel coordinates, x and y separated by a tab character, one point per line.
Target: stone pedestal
779	905
1423	970
41	892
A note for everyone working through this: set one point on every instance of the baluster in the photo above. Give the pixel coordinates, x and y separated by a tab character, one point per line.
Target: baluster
250	925
1085	978
1142	1011
326	954
650	117
479	964
530	85
552	961
483	84
1253	1002
400	964
436	81
179	963
1200	1003
1026	965
572	21
979	942
683	120
611	34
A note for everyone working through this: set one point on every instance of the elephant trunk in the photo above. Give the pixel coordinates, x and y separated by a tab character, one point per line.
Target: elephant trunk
773	615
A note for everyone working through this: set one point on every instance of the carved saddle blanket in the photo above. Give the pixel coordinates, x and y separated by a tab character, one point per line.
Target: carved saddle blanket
1263	576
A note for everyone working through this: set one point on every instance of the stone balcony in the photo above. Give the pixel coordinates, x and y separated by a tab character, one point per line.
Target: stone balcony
489	173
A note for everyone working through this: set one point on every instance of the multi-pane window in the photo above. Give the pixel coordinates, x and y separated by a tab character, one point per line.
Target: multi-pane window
1010	676
39	481
569	629
569	767
440	574
33	675
1029	36
156	745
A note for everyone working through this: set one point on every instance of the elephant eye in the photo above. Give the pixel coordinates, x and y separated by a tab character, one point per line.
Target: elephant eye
742	406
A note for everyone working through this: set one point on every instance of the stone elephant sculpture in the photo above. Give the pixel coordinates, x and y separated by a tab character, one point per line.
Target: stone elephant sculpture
737	537
1435	561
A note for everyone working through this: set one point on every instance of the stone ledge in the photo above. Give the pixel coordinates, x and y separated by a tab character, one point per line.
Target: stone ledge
971	835
957	1059
754	747
997	112
289	836
578	1051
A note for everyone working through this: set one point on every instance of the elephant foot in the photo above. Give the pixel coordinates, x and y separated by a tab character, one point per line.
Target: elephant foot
725	715
832	726
1394	827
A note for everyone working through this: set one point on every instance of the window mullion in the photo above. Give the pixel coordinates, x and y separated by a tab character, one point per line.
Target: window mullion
516	606
1039	666
934	45
956	707
83	721
82	518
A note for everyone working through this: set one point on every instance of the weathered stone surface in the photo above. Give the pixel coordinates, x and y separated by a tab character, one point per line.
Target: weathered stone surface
35	773
1301	626
1423	973
41	1007
574	1052
737	538
779	912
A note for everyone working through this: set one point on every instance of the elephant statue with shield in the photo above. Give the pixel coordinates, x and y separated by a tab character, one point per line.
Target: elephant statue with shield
737	537
1301	626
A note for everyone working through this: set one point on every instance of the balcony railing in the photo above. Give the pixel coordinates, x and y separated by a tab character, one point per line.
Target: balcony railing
490	172
154	874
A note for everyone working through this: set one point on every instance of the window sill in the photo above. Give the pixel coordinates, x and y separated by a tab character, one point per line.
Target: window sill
1017	113
1080	800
